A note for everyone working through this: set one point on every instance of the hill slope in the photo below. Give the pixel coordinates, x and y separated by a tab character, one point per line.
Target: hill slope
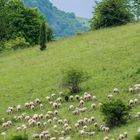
110	56
63	24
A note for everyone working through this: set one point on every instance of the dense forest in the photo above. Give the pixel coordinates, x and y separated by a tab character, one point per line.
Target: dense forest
63	24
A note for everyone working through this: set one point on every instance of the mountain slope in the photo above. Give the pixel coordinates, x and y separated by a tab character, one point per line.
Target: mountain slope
63	24
110	56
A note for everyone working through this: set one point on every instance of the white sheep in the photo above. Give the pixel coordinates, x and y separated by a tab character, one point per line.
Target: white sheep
116	90
18	108
35	136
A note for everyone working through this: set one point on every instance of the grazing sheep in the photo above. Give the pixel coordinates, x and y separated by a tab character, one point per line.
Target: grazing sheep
35	136
55	112
136	101
37	101
18	129
131	103
131	90
55	105
48	98
125	134
138	130
110	97
32	107
106	138
41	116
3	134
71	98
18	108
71	108
49	121
53	138
77	97
121	137
81	102
116	90
66	98
41	106
93	106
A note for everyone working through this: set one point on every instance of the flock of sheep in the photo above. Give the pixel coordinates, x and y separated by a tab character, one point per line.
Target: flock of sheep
62	129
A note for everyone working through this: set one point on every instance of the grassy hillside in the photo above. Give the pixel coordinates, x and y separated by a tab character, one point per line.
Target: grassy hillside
110	56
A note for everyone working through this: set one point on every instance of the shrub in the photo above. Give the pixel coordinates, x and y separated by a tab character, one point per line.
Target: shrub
20	137
72	80
18	42
116	113
137	137
111	13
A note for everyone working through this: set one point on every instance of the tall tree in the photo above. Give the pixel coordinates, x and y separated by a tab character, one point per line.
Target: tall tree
111	13
43	36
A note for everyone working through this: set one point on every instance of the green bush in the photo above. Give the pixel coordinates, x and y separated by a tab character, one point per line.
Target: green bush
116	113
137	137
20	137
111	13
16	43
72	80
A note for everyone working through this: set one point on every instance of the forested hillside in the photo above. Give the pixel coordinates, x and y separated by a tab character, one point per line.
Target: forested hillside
64	24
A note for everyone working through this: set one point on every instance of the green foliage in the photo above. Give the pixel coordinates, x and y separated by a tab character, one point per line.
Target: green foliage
136	8
18	42
43	36
111	13
115	112
72	80
137	137
24	21
20	137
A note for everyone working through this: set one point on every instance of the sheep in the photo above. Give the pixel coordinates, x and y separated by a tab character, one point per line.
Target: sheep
136	101
85	127
37	101
121	137
18	108
38	124
60	122
66	98
71	108
49	121
92	119
77	97
61	138
106	138
9	112
55	105
35	136
53	96
94	98
125	134
130	90
138	130
55	127
53	138
41	136
44	124
48	98
18	129
41	106
81	102
136	89
81	110
68	129
110	96
32	107
82	132
59	100
50	113
131	103
137	85
71	98
77	125
3	134
41	116
93	106
55	112
47	116
116	90
26	105
27	118
63	132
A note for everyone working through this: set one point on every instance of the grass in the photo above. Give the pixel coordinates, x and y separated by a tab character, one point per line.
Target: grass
110	56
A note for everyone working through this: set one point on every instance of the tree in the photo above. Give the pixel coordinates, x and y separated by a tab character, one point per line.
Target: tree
136	8
111	13
72	80
43	36
116	113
